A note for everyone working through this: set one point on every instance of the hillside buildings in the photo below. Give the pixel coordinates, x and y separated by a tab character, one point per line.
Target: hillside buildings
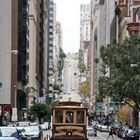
70	76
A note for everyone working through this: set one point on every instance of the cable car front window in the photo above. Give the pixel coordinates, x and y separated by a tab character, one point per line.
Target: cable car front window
58	116
69	117
80	116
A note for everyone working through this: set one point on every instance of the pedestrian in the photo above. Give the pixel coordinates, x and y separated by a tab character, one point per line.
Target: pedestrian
110	132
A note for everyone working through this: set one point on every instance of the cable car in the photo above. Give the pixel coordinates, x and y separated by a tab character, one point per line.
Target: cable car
69	121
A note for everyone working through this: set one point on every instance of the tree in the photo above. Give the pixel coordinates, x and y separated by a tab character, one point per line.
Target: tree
123	84
84	89
81	64
124	115
40	111
62	56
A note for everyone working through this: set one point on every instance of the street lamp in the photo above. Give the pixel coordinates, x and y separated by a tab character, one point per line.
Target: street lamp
12	51
1	65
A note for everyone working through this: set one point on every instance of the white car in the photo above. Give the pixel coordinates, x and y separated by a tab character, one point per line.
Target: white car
9	133
44	126
103	128
91	131
31	132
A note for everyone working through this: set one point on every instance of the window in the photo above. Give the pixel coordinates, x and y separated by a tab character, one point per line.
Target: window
69	117
58	116
80	117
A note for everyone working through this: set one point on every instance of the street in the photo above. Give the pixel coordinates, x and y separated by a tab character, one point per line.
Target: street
103	136
100	136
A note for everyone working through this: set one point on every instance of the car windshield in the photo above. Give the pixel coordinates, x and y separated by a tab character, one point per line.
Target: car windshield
8	132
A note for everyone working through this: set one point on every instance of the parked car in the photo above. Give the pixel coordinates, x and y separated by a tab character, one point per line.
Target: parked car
9	133
132	135
33	123
97	126
22	124
91	131
122	132
102	128
45	126
31	133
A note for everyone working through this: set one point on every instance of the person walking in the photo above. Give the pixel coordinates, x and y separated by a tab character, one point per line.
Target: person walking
110	132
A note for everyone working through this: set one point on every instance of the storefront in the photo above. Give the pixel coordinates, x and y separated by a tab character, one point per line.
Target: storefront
5	111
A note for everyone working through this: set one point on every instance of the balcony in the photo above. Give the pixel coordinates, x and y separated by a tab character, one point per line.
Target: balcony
50	30
50	42
50	88
51	24
50	36
133	28
136	2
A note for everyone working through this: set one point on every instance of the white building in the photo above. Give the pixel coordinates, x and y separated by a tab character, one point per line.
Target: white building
31	61
84	23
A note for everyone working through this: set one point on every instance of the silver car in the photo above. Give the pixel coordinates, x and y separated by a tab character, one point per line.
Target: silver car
9	133
31	133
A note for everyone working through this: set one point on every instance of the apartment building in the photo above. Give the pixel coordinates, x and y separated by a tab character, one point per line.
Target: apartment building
128	15
50	50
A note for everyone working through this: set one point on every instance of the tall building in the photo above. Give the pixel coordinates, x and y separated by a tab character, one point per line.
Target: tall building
8	57
23	51
93	66
106	13
102	13
50	50
84	23
30	47
45	55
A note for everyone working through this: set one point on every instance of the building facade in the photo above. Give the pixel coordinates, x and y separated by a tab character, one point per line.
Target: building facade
22	74
102	14
50	50
127	17
8	57
84	23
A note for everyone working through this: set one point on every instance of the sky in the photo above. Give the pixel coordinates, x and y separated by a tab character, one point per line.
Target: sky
68	14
